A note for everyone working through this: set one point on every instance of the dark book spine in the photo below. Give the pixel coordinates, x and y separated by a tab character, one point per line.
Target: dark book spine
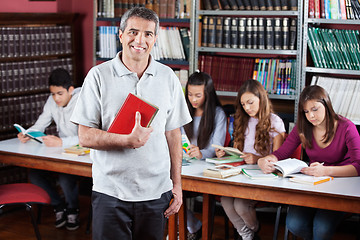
211	32
204	31
284	5
255	33
292	42
226	31
293	5
277	33
234	33
219	32
277	5
255	4
285	33
261	33
214	4
224	4
206	4
242	33
240	4
269	5
270	33
249	32
247	4
322	9
233	5
262	5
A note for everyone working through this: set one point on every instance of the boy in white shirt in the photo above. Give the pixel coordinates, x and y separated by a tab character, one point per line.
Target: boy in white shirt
58	108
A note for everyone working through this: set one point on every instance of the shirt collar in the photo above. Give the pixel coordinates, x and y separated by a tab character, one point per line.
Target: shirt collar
121	70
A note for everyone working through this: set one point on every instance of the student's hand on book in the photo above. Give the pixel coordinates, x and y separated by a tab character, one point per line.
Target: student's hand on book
250	158
315	169
175	203
267	163
23	138
52	141
219	153
139	135
194	152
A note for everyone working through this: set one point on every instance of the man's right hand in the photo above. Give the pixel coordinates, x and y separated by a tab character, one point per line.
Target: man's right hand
139	135
23	138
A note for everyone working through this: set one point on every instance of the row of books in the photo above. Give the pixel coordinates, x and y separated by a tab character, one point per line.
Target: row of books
228	73
334	9
163	8
334	48
344	95
35	41
25	109
108	43
183	76
276	5
251	33
172	43
30	75
278	76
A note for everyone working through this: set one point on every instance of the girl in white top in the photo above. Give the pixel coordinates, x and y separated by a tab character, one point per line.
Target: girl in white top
257	132
208	127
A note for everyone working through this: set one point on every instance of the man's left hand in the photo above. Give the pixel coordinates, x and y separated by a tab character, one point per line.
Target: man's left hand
176	202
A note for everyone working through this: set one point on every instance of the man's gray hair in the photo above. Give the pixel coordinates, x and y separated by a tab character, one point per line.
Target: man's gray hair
140	12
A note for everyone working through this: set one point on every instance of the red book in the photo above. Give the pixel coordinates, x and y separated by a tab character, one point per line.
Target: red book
124	121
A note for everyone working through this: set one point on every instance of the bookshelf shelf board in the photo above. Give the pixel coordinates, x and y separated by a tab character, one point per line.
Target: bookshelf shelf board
32	58
166	62
334	21
271	96
249	13
332	71
249	51
162	20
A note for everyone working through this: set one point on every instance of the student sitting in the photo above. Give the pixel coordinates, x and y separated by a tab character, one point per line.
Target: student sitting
332	144
257	132
58	108
208	127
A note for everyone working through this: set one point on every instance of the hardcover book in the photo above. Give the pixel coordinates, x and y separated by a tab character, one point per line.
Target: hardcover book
219	32
221	171
124	121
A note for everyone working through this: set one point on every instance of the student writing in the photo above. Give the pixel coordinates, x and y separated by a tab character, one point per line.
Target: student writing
257	132
332	144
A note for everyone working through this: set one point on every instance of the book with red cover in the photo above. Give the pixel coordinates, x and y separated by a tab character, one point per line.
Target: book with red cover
124	121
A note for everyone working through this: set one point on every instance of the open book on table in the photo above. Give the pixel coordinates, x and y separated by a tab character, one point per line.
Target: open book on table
31	133
229	150
291	168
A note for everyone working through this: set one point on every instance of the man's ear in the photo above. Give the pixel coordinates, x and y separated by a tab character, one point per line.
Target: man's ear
120	35
71	89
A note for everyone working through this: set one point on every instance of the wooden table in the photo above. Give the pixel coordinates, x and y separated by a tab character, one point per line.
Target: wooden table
342	194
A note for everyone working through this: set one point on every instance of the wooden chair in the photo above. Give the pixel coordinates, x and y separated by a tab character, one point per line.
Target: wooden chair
24	194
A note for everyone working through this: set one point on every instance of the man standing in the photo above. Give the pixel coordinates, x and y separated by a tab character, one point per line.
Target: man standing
136	175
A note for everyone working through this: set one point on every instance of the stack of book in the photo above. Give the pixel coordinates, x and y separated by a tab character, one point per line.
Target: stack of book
344	95
108	41
278	76
276	5
339	9
337	48
249	33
